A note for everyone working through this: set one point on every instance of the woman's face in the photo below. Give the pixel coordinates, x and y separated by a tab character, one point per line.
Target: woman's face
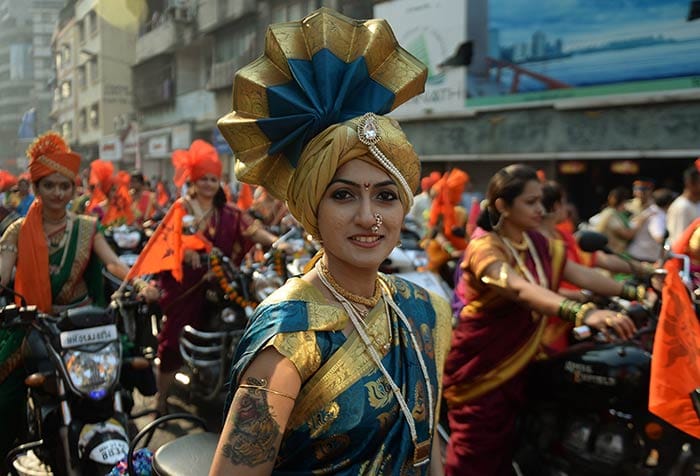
526	211
206	186
56	191
347	212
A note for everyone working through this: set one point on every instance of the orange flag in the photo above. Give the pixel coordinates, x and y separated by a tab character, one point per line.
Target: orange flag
675	367
245	197
166	247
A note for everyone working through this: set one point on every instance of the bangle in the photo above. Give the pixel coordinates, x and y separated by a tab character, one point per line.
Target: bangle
633	292
568	310
448	247
583	312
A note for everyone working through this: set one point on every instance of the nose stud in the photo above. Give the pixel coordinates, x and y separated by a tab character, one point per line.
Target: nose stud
378	220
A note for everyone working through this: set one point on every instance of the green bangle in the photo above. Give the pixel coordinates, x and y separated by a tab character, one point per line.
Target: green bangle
568	310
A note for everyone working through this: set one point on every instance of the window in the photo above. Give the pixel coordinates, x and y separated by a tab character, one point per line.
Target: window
235	42
67	130
92	65
92	18
65	55
80	26
82	76
65	89
59	60
83	119
94	115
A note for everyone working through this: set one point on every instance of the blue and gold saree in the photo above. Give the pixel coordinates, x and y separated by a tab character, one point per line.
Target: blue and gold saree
346	419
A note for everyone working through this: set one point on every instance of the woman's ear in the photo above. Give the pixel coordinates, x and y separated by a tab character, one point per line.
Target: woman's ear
501	206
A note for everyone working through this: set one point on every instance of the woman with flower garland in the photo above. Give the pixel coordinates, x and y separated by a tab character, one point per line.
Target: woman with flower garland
222	226
339	370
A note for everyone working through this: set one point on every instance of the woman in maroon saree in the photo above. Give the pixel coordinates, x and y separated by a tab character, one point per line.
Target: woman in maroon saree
225	227
511	272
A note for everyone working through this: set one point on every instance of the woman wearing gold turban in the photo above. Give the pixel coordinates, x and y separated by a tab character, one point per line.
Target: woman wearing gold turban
57	256
339	370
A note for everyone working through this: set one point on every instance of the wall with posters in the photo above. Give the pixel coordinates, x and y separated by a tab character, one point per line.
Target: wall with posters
581	48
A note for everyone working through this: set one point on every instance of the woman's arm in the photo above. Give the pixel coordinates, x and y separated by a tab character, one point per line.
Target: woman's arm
513	286
436	466
8	252
109	258
258	417
589	278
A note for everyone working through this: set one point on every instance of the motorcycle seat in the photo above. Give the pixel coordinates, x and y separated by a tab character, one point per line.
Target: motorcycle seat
189	455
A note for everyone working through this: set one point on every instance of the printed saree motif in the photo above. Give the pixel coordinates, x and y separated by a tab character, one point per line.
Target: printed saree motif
346	419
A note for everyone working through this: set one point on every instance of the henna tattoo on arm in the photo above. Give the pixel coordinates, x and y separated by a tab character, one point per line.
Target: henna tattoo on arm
252	441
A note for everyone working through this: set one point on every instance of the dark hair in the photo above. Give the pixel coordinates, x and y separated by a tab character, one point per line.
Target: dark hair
551	193
219	199
137	176
691	175
506	184
663	197
618	195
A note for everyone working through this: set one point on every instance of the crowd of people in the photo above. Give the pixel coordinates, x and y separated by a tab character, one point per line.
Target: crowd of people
343	369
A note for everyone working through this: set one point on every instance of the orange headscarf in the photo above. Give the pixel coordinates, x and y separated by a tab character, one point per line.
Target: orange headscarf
119	208
7	180
47	155
195	163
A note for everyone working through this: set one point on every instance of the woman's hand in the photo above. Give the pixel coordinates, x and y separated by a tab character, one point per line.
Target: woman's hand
192	258
605	320
149	293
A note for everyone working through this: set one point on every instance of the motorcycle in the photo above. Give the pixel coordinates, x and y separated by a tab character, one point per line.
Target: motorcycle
127	241
588	410
207	350
76	423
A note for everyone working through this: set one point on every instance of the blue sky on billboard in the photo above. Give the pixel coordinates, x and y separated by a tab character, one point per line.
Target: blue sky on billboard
586	23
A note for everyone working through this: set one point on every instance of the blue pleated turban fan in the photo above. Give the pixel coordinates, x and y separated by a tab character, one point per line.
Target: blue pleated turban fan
320	71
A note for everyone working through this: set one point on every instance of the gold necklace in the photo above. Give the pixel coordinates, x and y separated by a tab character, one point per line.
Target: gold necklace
368	302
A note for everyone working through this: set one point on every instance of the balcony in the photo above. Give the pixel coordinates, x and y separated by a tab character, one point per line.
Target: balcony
211	15
222	73
165	37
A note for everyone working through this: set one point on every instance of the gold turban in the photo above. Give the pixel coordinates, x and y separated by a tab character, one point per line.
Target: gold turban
333	148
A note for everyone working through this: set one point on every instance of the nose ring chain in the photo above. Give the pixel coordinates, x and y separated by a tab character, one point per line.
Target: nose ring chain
378	220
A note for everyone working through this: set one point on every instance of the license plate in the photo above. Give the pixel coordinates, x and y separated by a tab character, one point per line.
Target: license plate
93	335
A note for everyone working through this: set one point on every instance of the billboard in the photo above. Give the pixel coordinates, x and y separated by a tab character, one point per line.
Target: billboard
432	30
558	49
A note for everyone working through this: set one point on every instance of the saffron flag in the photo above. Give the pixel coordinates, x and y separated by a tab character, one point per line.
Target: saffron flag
166	247
675	367
245	197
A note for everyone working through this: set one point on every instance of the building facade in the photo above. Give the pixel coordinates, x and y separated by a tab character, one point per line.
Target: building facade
26	68
93	98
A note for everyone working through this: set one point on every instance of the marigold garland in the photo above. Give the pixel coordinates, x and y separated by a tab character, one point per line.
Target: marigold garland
228	289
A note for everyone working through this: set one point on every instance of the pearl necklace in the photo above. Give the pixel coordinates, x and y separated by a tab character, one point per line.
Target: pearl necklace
421	453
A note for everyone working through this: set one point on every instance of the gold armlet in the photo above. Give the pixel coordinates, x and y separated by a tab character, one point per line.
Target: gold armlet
7	247
268	390
502	281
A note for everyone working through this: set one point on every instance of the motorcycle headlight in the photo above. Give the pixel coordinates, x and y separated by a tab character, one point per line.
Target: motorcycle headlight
93	373
265	283
127	240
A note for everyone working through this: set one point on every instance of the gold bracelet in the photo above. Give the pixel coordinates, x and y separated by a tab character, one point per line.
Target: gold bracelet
265	389
583	312
8	247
